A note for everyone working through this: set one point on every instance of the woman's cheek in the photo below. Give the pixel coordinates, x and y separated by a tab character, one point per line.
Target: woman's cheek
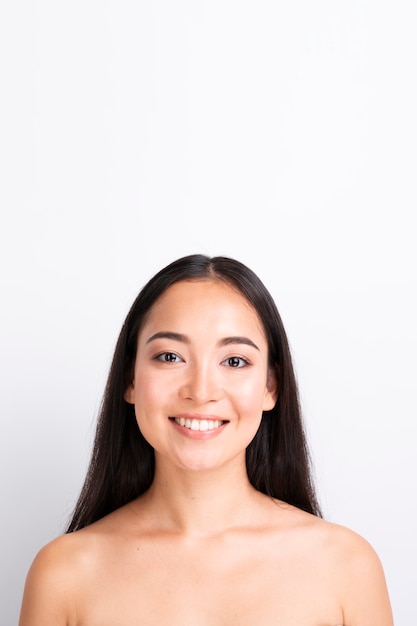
251	394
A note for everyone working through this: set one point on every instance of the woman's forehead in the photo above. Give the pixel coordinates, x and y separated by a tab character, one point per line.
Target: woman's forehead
209	301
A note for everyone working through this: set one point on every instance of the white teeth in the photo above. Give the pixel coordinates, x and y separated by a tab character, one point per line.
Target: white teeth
201	425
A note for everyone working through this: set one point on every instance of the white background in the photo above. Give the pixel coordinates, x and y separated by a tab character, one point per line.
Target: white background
282	134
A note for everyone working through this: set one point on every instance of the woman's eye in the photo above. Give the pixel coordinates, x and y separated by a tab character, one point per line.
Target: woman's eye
168	357
235	362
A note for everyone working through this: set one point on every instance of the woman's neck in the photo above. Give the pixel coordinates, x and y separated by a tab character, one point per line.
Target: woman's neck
201	502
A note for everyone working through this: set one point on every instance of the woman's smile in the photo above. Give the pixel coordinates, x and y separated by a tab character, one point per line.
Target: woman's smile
198	427
199	423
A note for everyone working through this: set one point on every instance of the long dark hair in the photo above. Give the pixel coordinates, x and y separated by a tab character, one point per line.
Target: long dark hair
123	463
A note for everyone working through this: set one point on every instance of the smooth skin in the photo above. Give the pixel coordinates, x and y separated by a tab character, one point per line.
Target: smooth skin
202	547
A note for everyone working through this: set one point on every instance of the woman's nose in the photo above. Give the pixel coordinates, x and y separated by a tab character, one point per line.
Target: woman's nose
201	384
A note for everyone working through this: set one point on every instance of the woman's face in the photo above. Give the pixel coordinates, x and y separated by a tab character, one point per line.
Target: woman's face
201	378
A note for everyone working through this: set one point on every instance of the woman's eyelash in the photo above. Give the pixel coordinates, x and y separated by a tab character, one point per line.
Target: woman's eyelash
167	357
236	362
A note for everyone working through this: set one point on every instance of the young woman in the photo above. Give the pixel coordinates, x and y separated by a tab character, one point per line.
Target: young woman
198	508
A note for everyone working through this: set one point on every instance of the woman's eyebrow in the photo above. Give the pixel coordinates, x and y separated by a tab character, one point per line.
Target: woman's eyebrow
169	335
245	340
226	341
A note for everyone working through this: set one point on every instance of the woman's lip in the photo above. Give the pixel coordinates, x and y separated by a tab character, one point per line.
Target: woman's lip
199	416
191	427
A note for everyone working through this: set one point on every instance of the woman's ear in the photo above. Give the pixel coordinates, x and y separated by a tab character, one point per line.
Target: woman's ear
129	394
271	391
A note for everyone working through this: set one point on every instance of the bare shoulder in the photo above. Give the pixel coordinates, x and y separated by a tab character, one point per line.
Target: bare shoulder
61	568
365	593
352	553
47	595
337	541
355	567
72	554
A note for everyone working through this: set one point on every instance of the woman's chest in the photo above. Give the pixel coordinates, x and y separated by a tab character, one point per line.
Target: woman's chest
168	588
